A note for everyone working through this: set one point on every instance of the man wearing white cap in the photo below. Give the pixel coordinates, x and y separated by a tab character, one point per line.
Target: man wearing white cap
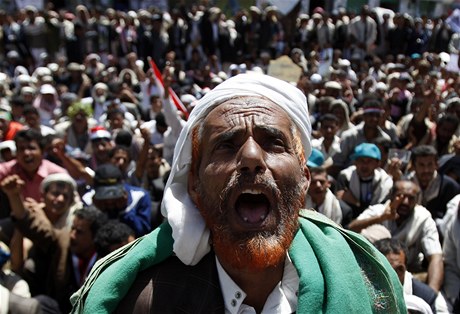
47	102
101	144
236	237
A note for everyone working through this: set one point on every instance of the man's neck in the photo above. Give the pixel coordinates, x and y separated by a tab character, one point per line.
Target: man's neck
424	184
30	174
370	132
318	200
86	256
256	284
327	143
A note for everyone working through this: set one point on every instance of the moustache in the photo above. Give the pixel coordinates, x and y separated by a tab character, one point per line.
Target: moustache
240	181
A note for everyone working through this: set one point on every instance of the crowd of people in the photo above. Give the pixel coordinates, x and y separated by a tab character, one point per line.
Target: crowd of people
93	102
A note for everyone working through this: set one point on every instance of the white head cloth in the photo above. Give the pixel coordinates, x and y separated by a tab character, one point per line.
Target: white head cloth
58	177
191	236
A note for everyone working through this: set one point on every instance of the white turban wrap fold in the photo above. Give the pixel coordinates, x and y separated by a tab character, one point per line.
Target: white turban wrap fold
58	177
191	236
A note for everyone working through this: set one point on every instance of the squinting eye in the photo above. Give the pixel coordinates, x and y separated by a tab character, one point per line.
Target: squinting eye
275	144
224	146
278	142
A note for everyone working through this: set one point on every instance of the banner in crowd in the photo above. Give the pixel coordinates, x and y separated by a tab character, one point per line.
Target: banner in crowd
284	69
21	4
283	6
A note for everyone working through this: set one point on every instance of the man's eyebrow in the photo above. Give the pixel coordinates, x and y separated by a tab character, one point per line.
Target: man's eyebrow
268	130
228	135
274	132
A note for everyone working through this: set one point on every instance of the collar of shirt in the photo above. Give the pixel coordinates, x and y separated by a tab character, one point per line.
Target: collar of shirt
283	298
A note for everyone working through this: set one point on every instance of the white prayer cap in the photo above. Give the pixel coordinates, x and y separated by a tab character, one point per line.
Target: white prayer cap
3	78
317	16
222	75
344	62
140	64
445	57
191	237
47	89
27	90
58	177
316	78
233	67
333	85
25	79
53	67
255	9
381	86
9	144
101	85
41	71
187	98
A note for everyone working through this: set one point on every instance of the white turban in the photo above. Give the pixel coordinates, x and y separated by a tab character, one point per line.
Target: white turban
58	177
191	236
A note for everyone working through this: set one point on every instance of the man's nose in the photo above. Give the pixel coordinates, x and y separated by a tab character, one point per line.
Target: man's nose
251	157
405	200
60	198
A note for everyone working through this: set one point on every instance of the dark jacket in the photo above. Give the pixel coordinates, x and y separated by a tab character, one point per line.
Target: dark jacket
172	287
424	292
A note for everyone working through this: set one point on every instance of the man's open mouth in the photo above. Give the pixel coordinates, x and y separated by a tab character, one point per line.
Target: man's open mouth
29	160
253	206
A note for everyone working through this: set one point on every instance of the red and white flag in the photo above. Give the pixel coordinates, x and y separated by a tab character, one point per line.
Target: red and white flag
158	76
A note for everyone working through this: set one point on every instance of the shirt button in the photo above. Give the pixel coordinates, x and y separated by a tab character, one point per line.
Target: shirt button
238	295
233	302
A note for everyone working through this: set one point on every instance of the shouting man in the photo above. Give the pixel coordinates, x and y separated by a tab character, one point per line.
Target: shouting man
236	237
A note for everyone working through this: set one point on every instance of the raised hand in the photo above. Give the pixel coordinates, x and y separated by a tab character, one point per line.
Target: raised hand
12	185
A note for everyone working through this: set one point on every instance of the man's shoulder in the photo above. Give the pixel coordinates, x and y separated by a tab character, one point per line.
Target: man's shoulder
347	172
383	175
50	167
135	189
449	182
7	167
171	285
423	291
351	132
372	211
421	213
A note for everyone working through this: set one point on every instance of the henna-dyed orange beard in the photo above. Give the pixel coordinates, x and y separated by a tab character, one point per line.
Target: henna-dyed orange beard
254	250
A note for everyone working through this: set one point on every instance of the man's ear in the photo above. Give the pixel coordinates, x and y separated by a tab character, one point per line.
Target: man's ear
192	186
307	175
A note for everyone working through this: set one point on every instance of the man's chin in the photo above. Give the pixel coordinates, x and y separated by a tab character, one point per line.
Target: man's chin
253	254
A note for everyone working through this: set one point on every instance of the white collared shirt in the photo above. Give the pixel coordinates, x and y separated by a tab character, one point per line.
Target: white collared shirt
283	298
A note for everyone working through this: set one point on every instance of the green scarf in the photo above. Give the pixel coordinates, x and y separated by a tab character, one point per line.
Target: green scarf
339	271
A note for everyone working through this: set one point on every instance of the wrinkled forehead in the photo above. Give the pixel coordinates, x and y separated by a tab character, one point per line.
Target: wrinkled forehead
260	109
406	187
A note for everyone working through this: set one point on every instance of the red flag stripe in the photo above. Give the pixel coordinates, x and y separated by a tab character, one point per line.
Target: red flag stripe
179	105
